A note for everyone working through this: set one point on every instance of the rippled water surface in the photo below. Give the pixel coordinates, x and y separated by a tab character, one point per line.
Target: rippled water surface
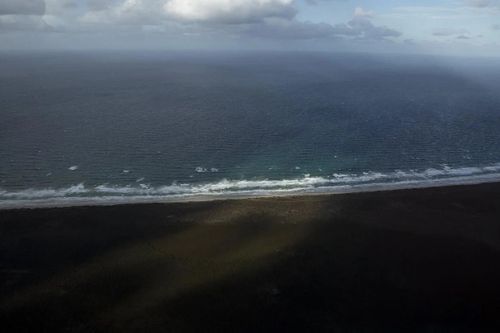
160	124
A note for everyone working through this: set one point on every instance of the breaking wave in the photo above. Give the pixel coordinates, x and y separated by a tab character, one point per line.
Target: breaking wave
225	188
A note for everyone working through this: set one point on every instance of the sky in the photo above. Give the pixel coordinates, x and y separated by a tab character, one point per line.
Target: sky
457	27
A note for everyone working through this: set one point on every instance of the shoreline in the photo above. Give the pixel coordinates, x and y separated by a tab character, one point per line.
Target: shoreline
104	201
416	260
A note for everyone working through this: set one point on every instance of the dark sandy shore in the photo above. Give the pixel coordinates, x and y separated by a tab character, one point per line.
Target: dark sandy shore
425	260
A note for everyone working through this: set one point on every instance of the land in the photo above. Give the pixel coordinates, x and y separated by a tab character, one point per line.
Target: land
421	260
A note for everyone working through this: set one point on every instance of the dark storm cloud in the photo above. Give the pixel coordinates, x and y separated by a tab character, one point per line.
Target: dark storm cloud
22	7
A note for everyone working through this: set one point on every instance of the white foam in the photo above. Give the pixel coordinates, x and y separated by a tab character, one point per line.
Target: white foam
341	189
44	193
254	187
73	168
203	170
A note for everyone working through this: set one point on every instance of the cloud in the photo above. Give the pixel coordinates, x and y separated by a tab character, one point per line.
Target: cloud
147	12
23	23
60	7
360	12
160	22
127	12
98	5
22	7
229	11
481	3
289	29
446	32
187	11
315	2
361	27
461	34
271	19
484	4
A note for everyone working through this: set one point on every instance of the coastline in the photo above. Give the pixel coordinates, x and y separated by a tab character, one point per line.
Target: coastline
65	202
408	260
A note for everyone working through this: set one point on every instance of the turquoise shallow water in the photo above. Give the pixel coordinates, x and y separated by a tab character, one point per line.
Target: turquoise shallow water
171	124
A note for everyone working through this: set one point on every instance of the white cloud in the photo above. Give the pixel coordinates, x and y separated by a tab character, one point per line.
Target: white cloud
218	12
229	11
362	27
212	11
360	12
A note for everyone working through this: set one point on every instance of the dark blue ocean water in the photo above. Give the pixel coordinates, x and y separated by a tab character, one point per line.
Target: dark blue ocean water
160	124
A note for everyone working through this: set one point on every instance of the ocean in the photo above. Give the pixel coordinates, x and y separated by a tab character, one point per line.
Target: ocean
131	126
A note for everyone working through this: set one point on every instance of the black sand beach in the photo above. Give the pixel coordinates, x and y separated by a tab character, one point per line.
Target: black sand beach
423	260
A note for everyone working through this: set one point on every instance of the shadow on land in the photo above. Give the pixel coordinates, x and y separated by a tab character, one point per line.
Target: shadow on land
415	260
